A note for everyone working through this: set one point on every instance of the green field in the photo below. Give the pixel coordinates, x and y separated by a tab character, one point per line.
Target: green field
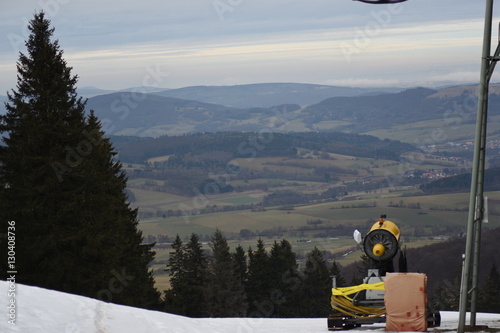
422	219
437	131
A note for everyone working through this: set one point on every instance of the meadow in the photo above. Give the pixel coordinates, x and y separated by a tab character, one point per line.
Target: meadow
326	224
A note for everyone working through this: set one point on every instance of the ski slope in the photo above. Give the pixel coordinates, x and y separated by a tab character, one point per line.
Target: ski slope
47	311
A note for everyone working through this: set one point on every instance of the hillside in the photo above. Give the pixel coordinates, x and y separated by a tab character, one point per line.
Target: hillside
42	310
414	115
252	144
268	94
130	113
461	183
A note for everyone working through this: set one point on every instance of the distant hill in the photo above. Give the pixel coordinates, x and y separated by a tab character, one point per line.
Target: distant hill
367	112
87	92
442	261
268	94
129	113
229	145
147	114
461	183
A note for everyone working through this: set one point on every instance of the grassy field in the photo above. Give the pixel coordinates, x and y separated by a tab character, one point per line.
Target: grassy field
422	219
439	215
437	131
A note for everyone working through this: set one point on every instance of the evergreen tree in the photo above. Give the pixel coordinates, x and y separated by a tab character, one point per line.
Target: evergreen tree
258	286
224	292
173	296
60	184
316	287
447	294
489	294
240	264
195	278
285	282
336	271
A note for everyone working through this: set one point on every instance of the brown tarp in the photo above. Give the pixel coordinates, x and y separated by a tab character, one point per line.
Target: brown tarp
406	302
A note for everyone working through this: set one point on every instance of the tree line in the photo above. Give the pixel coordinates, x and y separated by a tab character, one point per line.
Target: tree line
252	283
274	283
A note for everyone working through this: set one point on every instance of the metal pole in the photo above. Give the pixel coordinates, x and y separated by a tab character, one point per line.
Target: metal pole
477	173
479	212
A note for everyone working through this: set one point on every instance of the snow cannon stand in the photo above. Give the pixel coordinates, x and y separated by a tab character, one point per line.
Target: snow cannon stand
398	299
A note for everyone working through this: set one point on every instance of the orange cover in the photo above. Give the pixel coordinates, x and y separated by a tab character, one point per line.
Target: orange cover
406	302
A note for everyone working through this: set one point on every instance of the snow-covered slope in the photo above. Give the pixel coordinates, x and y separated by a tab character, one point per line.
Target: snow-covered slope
41	310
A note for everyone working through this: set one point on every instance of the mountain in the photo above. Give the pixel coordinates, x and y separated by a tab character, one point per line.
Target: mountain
41	310
461	183
144	89
87	92
228	145
367	112
129	113
268	94
445	115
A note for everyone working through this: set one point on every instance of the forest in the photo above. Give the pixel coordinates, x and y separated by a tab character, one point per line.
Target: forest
264	282
253	144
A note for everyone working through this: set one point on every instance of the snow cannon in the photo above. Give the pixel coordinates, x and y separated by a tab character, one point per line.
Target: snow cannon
381	245
382	242
367	303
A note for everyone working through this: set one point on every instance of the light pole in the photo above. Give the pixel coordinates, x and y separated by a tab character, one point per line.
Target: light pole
476	214
476	200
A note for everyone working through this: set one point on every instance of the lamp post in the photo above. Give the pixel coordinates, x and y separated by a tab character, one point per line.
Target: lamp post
476	214
476	200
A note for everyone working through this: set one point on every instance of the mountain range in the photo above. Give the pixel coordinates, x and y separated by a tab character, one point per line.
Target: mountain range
153	114
290	107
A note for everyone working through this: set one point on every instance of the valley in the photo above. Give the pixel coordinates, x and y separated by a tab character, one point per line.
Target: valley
311	174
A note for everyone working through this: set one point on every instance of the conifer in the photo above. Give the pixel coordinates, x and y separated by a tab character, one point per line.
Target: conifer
60	183
490	292
316	287
224	293
258	286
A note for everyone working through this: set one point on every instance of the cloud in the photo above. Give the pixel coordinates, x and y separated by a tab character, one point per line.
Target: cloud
256	40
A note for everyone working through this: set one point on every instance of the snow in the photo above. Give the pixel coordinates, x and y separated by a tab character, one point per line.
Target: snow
42	310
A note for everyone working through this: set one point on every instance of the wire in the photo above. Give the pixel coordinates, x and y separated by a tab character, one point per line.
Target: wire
343	303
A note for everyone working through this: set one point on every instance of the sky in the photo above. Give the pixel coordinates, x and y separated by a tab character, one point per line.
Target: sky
112	44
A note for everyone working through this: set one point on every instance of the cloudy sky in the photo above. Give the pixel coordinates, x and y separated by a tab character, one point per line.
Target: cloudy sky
115	44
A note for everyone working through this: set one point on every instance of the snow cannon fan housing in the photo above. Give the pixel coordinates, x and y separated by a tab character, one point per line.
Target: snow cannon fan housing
381	243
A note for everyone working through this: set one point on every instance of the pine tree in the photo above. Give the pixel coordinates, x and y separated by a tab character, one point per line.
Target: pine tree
176	267
336	271
447	294
316	287
195	278
224	292
285	283
258	286
490	292
240	262
60	184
